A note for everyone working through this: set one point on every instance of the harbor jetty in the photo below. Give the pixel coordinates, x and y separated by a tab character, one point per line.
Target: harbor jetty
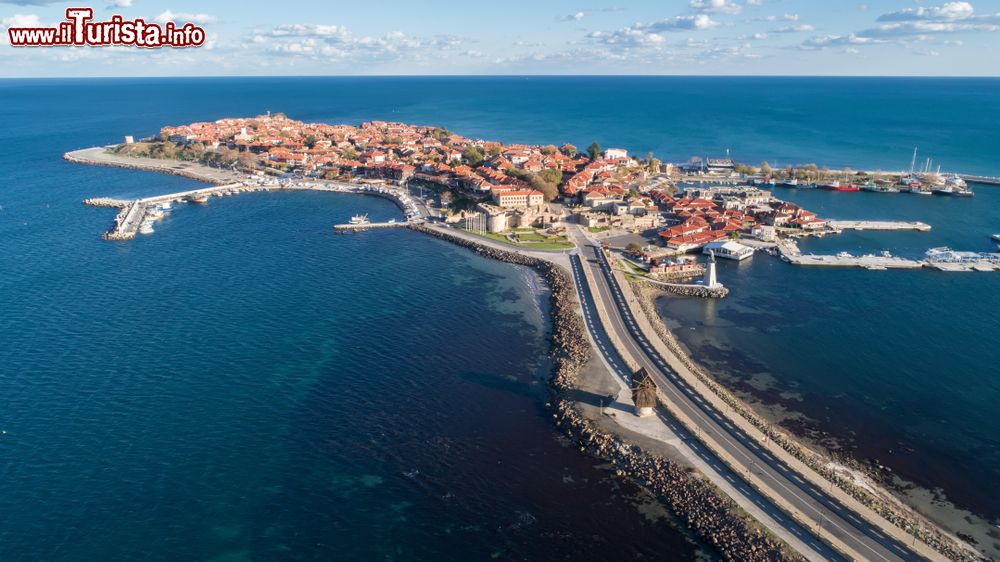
368	225
136	211
878	225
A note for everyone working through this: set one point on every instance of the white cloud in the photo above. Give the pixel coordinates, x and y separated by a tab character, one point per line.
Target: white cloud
184	18
803	28
337	43
650	34
824	41
19	20
755	2
575	16
121	3
759	36
716	6
783	17
949	11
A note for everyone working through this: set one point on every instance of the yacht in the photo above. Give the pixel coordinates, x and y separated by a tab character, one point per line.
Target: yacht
360	220
146	227
955	181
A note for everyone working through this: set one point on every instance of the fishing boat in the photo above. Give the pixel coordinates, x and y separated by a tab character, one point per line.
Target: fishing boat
199	199
794	182
952	191
360	220
838	186
146	227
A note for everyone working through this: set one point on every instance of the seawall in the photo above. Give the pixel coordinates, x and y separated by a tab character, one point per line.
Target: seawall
705	509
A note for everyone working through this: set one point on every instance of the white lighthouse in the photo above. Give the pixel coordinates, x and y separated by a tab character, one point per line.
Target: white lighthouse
710	280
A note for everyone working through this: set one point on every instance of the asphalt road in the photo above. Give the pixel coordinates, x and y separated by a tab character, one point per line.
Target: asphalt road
826	513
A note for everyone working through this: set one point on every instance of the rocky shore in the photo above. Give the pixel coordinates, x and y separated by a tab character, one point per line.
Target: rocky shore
706	510
826	467
163	169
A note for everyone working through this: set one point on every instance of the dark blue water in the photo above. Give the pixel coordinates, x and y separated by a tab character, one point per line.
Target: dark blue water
899	366
244	384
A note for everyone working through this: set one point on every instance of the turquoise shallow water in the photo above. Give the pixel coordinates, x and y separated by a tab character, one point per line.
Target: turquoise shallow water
245	384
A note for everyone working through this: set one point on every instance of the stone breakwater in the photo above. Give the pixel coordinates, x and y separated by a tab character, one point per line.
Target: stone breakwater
891	511
706	509
691	290
147	168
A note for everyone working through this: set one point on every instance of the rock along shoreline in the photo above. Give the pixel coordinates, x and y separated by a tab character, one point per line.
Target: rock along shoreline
706	510
925	531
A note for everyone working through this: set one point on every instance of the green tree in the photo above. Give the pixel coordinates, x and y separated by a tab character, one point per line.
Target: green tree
495	150
653	166
765	168
549	190
551	175
594	150
568	150
633	248
473	156
310	141
350	154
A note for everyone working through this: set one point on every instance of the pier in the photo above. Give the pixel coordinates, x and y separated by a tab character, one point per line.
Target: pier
989	180
366	226
134	211
867	262
878	225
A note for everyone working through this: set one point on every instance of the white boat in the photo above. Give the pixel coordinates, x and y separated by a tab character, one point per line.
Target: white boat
955	182
844	255
146	227
360	220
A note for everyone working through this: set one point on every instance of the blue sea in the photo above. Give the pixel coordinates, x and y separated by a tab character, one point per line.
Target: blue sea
243	384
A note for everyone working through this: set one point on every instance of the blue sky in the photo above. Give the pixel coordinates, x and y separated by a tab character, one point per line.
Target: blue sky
756	37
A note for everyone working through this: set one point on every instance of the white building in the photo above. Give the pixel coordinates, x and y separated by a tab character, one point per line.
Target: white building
613	153
728	249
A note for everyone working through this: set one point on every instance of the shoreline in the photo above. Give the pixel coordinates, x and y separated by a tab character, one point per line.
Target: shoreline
924	501
710	514
847	474
707	511
711	517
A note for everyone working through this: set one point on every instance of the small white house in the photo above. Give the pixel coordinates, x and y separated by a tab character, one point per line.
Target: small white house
728	249
614	153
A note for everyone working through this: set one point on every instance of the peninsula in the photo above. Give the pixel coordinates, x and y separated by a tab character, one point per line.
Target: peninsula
606	231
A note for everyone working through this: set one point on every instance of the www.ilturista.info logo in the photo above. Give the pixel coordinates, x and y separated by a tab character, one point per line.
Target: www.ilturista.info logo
78	30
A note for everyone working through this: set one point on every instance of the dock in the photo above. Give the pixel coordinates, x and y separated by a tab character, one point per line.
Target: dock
878	225
134	211
369	225
867	262
989	180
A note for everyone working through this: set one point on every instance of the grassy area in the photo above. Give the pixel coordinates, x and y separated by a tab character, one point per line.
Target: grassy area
598	229
542	243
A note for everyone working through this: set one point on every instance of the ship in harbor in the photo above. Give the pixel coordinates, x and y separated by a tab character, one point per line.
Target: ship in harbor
360	220
879	187
954	186
839	186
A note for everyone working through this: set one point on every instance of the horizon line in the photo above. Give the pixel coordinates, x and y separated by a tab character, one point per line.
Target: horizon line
883	76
